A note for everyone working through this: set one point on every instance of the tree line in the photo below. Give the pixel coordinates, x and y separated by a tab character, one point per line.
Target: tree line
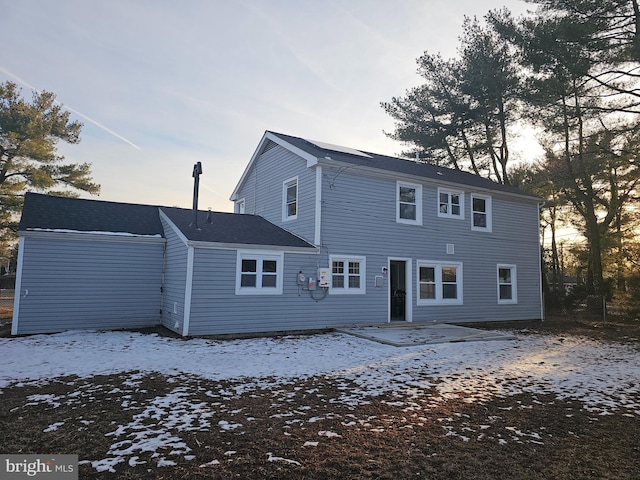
570	69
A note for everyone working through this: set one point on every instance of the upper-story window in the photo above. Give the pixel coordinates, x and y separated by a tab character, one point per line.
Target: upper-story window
240	206
481	213
290	199
450	203
409	203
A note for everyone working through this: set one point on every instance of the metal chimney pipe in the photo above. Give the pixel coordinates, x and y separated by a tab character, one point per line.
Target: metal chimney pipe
197	171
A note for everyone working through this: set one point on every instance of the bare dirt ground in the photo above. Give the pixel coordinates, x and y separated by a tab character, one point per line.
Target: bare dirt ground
382	439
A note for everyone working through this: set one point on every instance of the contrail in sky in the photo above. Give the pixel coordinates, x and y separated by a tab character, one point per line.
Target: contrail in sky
72	110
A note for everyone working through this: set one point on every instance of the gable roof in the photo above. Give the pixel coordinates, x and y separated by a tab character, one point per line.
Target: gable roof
50	213
233	228
67	215
316	152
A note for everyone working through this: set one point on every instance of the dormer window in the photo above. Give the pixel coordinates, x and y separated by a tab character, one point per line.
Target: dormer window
290	199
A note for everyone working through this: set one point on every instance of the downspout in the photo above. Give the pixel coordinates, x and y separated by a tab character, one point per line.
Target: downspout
18	288
317	238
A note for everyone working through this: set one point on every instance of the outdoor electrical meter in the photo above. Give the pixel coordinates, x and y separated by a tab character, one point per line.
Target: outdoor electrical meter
324	278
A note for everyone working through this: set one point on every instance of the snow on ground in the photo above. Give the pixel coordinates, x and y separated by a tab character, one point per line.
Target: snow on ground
600	374
604	376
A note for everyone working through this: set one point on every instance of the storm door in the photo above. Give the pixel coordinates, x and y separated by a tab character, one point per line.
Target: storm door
398	290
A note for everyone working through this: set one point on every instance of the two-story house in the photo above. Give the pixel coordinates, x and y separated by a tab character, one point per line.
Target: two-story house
322	236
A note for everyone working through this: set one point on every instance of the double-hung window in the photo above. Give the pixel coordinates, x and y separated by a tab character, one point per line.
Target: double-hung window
290	199
481	213
439	283
507	284
408	203
259	273
347	274
450	203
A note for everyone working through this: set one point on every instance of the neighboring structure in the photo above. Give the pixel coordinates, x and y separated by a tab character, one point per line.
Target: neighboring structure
322	236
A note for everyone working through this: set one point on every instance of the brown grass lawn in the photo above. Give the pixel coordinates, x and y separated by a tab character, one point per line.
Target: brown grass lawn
298	431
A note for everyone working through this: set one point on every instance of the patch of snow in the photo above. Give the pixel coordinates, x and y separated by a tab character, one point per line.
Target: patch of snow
271	458
53	427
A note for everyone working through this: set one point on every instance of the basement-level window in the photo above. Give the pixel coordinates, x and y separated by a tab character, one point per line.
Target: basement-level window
259	273
439	283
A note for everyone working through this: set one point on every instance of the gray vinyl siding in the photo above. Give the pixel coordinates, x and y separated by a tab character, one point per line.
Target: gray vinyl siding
262	190
359	218
216	309
174	280
103	283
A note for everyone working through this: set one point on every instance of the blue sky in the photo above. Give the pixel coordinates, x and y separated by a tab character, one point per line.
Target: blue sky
160	85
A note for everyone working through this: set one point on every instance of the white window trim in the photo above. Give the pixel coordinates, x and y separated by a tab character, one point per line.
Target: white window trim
285	185
363	275
418	189
488	205
438	265
241	204
259	255
514	284
450	192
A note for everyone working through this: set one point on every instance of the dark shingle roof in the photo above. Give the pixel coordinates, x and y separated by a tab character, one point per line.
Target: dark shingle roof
400	165
232	228
47	212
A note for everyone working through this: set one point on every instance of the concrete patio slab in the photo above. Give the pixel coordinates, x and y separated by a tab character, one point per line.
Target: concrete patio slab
406	335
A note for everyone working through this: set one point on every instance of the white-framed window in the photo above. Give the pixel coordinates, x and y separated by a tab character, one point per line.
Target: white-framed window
480	212
439	283
408	203
290	199
507	284
240	206
347	274
450	203
259	272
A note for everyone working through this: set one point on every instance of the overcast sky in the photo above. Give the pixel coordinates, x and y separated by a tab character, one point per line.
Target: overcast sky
160	85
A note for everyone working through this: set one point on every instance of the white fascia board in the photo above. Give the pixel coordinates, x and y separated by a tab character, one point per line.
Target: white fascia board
95	236
188	288
268	136
248	246
173	227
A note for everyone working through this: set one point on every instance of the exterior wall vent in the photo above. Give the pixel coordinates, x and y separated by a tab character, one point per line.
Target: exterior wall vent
450	249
